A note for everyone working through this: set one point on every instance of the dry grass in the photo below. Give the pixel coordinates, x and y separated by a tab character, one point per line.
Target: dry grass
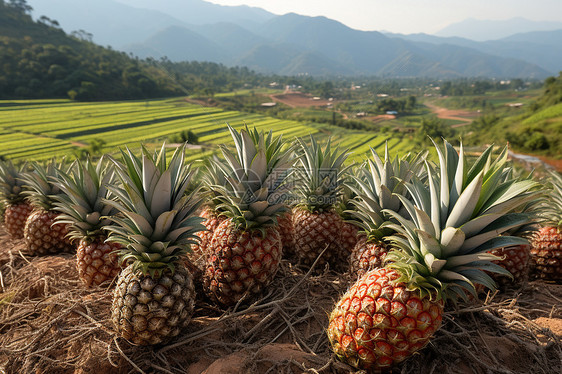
50	324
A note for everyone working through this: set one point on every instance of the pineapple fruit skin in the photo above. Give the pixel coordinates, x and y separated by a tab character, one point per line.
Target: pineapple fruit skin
313	232
15	217
201	251
349	237
546	253
378	323
148	311
366	256
97	261
516	260
42	237
241	261
286	232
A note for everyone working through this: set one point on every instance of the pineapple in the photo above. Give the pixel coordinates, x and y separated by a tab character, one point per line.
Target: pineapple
41	234
317	225
154	296
286	232
212	175
439	255
546	243
349	229
11	196
246	247
516	258
377	186
83	209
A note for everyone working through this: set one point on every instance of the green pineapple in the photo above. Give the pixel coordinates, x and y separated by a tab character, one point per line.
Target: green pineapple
41	234
154	297
84	210
441	254
246	248
16	208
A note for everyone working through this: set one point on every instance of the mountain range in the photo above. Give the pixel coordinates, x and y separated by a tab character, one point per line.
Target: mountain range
292	44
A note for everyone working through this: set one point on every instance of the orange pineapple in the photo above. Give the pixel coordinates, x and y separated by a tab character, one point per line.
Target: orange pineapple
439	254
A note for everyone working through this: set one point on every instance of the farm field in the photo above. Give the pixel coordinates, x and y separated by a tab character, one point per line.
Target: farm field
42	129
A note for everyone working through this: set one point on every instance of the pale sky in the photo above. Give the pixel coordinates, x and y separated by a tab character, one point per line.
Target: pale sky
410	16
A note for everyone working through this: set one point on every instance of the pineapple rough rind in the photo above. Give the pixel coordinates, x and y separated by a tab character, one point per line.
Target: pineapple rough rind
150	311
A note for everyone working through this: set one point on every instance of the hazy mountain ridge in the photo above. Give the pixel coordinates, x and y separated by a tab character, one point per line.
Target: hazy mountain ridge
288	44
485	30
542	48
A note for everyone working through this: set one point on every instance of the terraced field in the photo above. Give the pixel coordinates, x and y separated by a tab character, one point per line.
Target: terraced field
41	129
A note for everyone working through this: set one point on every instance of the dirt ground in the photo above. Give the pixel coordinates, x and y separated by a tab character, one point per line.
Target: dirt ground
457	115
50	324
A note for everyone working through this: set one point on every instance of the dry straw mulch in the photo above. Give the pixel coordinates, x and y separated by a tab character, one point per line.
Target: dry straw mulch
50	324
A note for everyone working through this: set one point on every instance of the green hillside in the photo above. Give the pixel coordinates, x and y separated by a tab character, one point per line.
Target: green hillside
39	60
535	130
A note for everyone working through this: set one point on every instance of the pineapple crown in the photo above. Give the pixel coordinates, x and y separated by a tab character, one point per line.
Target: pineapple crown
213	173
456	219
320	175
11	186
256	174
551	210
41	188
156	223
377	185
83	203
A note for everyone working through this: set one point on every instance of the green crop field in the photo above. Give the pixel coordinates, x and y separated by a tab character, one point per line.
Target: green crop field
42	129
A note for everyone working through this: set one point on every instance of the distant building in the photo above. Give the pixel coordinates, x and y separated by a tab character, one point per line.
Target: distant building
268	105
392	112
515	105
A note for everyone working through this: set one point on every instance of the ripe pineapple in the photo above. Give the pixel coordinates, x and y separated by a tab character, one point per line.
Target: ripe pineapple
84	210
41	234
246	247
154	296
212	175
377	186
286	232
316	223
546	243
349	229
12	198
440	254
516	260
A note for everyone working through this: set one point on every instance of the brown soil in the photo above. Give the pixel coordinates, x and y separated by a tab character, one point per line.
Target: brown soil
298	100
457	115
50	324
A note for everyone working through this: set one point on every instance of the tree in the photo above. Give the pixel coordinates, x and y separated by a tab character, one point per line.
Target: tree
21	6
434	128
